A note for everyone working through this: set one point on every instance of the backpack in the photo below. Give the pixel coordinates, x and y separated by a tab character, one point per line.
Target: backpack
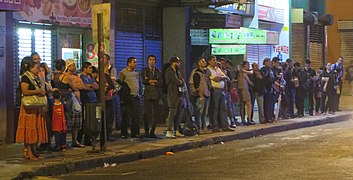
164	84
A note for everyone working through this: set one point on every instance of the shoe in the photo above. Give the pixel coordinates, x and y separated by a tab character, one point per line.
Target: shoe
233	126
338	110
251	122
300	116
111	139
331	112
170	134
57	149
269	121
124	137
178	134
146	135
65	146
135	136
77	145
228	129
153	135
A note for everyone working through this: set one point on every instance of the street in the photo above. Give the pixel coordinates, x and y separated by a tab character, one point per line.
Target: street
321	152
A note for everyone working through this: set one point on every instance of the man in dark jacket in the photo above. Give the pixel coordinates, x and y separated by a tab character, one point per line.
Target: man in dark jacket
176	89
310	74
290	88
300	86
268	78
152	79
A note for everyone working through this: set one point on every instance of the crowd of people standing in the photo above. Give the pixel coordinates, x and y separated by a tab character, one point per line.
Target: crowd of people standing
206	102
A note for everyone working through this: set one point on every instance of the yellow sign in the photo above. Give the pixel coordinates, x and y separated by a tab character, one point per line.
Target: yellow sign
297	15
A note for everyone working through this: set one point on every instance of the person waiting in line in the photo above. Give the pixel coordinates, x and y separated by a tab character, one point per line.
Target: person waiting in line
65	85
349	77
309	88
200	93
257	91
151	77
59	122
175	91
269	78
289	89
276	68
318	86
328	90
31	128
244	84
218	80
87	95
227	90
338	69
129	79
300	81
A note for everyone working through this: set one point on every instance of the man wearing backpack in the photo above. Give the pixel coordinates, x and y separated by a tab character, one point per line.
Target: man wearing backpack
200	93
338	69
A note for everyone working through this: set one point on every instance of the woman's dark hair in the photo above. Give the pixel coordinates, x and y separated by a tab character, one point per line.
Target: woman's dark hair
60	65
34	53
94	69
44	66
244	63
24	64
31	64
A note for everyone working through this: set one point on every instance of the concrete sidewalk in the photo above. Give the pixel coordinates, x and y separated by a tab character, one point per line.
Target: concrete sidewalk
13	166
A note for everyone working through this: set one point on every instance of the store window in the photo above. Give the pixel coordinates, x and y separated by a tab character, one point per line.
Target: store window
35	40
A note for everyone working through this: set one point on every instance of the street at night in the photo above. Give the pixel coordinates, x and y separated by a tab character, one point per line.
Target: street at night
322	152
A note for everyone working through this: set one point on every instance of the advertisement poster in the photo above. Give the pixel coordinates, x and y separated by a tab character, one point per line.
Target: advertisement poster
228	49
10	5
90	49
59	12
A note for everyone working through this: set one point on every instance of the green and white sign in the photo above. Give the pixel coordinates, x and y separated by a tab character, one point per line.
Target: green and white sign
228	49
237	36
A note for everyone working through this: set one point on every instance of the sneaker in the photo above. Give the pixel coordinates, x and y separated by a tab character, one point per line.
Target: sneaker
169	134
153	135
227	129
178	134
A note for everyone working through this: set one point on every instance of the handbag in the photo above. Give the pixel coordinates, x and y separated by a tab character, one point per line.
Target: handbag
34	101
76	106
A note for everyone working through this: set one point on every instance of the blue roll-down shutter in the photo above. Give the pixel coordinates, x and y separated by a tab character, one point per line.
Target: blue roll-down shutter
128	44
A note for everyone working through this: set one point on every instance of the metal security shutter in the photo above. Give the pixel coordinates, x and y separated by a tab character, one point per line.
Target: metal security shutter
346	51
153	34
316	46
264	52
252	52
298	42
129	36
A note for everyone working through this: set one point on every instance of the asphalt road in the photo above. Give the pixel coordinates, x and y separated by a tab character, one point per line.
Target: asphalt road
321	152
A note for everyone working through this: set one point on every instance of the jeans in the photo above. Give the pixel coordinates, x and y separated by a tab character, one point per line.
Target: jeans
175	115
260	102
268	105
201	110
219	109
150	114
130	116
290	95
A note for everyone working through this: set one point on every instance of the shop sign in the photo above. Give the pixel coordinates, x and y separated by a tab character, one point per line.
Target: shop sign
270	14
224	36
10	5
252	36
236	8
228	49
215	21
237	36
199	37
272	37
66	13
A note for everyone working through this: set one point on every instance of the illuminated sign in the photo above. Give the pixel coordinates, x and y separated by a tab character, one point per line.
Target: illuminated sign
237	36
228	49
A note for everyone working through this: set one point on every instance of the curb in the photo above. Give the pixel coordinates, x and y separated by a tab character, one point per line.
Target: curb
86	164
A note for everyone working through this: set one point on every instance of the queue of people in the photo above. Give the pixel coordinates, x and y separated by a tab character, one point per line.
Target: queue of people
52	103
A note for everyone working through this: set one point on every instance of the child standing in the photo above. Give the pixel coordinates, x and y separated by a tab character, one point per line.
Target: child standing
58	122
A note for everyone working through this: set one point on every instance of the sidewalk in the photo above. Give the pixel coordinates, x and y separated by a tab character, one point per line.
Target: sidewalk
125	150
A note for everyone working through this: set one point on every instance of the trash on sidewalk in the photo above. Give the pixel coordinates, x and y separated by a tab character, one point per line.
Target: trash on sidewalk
169	153
110	165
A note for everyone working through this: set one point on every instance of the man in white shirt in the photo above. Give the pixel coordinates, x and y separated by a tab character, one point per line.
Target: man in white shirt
218	79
